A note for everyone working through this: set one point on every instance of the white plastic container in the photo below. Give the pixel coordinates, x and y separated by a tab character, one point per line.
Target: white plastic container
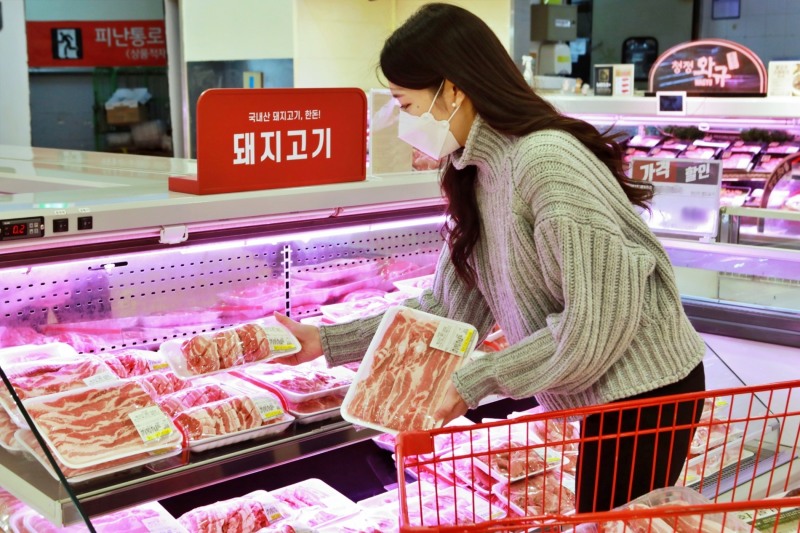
412	352
129	412
223	349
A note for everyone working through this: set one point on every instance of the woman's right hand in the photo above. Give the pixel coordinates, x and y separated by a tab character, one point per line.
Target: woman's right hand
309	337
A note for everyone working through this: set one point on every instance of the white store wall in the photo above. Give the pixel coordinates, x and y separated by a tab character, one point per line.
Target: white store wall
15	108
94	10
340	47
767	27
235	30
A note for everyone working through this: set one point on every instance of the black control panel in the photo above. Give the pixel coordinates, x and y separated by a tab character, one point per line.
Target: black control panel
22	228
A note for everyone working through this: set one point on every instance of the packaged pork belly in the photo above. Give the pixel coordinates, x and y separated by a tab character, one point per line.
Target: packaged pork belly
28	442
230	347
95	425
403	376
48	369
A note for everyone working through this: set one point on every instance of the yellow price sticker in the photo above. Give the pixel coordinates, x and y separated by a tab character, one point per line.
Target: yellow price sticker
283	347
467	338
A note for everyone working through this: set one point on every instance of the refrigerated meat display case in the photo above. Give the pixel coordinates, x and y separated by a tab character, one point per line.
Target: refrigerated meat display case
752	137
99	255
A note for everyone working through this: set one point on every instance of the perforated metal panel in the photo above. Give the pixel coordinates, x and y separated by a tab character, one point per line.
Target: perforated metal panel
143	298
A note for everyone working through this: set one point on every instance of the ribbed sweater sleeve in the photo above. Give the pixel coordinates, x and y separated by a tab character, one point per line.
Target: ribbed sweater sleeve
602	280
449	297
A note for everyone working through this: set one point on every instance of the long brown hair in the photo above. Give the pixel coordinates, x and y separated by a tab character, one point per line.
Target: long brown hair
442	41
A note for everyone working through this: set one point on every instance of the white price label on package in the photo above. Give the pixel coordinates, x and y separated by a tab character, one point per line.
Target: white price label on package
452	338
279	339
151	423
272	513
268	406
100	379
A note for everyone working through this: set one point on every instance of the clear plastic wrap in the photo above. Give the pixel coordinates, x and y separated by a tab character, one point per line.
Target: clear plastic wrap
404	373
316	409
96	425
303	382
251	512
78	475
227	348
235	418
353	309
39	370
549	493
132	362
675	496
314	503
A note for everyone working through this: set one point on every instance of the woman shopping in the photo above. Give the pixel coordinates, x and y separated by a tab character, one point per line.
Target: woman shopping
545	240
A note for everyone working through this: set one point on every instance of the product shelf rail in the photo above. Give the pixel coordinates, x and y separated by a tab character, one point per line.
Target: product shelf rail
518	474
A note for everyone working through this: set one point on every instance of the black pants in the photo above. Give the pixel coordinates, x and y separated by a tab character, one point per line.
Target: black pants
614	471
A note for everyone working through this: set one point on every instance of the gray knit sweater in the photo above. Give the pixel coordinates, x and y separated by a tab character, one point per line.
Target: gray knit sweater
581	287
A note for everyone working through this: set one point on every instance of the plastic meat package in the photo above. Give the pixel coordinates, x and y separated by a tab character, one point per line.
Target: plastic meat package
316	409
216	416
29	443
301	383
353	309
7	429
672	497
97	425
132	362
251	512
228	348
404	373
443	443
550	493
47	369
314	503
160	383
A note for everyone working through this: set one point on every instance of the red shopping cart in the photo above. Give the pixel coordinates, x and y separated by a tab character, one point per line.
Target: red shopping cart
741	474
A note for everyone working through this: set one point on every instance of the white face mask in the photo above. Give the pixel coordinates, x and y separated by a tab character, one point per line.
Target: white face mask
428	135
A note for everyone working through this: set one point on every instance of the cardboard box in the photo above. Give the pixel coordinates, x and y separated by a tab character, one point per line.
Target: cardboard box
613	80
783	78
121	115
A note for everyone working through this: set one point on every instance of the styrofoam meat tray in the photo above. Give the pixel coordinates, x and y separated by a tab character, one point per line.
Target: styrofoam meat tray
217	441
100	472
298	397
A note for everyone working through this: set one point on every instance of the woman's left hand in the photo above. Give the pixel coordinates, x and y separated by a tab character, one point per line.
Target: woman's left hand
453	405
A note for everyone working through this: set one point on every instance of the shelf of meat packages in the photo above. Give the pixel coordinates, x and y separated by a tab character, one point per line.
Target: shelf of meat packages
275	422
221	424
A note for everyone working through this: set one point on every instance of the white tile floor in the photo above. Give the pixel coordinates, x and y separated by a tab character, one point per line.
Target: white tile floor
735	363
754	363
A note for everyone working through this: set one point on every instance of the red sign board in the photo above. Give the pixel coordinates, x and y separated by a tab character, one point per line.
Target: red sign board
92	43
709	67
253	139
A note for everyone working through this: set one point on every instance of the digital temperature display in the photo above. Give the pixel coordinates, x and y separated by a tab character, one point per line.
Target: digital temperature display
22	228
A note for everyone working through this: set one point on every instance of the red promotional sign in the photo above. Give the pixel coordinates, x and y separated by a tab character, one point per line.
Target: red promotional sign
253	139
709	67
689	171
93	43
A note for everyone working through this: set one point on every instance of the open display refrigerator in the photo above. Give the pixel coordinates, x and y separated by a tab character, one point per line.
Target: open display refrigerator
98	257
